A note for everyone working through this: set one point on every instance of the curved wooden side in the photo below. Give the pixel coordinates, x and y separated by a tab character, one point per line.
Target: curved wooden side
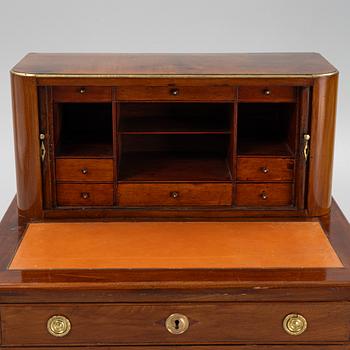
321	145
27	146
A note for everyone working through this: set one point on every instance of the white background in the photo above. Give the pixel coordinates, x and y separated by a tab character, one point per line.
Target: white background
176	26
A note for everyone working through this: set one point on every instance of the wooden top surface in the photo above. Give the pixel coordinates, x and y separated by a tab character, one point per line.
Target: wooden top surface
174	245
191	64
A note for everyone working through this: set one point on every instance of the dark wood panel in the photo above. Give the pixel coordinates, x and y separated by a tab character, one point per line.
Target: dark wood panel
72	194
145	323
84	170
265	169
174	194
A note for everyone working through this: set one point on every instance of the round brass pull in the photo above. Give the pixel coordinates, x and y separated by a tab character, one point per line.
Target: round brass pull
85	195
264	195
267	92
58	326
294	324
177	323
265	169
82	90
174	194
84	171
174	92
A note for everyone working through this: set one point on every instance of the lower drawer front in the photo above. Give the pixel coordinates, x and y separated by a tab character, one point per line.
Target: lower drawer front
264	195
70	194
145	323
174	194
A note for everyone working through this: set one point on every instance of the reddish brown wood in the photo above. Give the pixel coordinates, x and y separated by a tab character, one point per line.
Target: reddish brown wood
84	170
264	195
267	94
174	194
82	94
72	194
144	324
265	169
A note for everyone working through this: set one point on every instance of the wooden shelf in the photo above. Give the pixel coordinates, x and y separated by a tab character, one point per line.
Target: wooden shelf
163	166
263	147
85	150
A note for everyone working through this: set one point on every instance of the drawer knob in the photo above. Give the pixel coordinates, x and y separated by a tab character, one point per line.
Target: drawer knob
85	195
84	171
174	92
177	324
58	326
264	195
267	92
82	90
265	169
294	324
174	194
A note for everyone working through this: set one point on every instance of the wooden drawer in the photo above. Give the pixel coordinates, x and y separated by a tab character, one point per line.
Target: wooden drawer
267	94
174	194
265	169
84	170
181	93
264	195
70	194
146	324
82	94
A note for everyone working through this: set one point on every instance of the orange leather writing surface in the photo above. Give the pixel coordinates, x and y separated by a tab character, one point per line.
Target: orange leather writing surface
175	245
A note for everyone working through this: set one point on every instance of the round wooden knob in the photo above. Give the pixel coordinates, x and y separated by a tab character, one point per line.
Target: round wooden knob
82	90
84	171
85	195
58	326
177	323
174	194
265	169
294	324
174	92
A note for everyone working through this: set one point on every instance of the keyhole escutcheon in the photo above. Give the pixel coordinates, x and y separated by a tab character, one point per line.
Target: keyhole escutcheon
177	323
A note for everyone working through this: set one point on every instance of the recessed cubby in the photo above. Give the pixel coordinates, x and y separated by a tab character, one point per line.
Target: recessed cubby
266	129
83	129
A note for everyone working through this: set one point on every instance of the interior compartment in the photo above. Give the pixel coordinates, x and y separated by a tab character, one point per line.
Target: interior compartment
175	118
174	157
83	129
266	129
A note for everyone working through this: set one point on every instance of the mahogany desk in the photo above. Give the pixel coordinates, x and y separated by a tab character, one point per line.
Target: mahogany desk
174	200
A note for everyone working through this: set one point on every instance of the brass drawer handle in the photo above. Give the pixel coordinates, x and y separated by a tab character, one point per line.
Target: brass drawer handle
82	90
85	195
294	324
58	326
177	324
267	92
174	194
265	169
264	195
84	171
174	92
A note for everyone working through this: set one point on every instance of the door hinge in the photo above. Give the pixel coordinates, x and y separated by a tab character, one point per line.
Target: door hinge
306	152
42	147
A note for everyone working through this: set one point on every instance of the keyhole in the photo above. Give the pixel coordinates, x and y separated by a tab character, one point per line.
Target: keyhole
177	324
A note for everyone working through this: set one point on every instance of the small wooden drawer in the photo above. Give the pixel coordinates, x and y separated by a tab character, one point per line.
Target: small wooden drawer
267	94
265	169
82	94
71	194
84	170
264	195
121	324
180	93
174	194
